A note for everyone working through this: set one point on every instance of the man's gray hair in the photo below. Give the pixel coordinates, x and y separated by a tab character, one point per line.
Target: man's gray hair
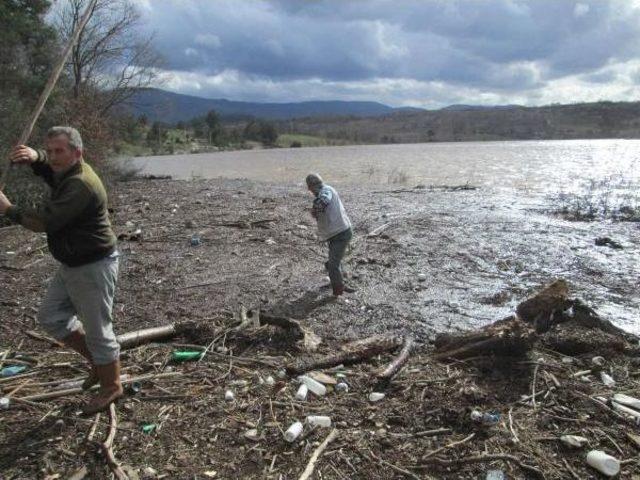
314	180
73	135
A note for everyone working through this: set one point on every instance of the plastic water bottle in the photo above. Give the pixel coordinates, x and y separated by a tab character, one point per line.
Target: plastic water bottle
607	379
13	370
604	463
301	394
376	396
293	432
195	240
314	386
574	441
319	421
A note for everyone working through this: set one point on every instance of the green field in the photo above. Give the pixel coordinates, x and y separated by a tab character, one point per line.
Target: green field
285	140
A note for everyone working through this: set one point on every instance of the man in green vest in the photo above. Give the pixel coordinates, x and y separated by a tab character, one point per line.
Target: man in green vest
77	307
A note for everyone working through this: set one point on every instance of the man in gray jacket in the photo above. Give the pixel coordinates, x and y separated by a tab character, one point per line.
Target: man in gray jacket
334	227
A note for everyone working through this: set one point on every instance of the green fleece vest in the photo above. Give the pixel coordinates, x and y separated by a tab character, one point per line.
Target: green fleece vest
75	217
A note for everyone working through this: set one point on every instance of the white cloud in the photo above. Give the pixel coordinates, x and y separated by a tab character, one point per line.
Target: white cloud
580	9
208	40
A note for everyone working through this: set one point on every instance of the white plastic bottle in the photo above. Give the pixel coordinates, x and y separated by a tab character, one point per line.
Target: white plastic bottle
314	386
604	463
301	394
293	432
607	379
319	421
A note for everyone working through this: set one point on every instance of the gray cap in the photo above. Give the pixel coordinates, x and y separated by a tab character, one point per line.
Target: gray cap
314	180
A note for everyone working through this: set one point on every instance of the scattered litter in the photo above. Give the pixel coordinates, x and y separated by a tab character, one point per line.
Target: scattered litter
574	441
293	432
376	396
149	428
186	355
12	370
603	462
318	421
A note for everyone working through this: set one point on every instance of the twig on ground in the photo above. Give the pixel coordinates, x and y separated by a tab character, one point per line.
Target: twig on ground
107	445
316	454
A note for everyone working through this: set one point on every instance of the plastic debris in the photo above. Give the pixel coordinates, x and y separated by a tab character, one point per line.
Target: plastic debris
195	240
376	396
314	386
574	441
186	355
487	418
607	379
319	421
495	475
12	370
603	462
342	387
5	402
229	396
293	432
598	361
301	394
149	428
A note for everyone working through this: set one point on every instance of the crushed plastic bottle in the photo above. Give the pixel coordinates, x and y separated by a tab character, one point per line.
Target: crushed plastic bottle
5	402
12	370
195	240
376	396
229	396
319	421
342	387
607	379
574	441
486	419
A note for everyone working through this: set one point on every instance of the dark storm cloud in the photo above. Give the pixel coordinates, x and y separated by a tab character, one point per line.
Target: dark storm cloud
501	46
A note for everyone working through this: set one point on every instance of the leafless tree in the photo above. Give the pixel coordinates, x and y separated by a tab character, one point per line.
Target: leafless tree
111	58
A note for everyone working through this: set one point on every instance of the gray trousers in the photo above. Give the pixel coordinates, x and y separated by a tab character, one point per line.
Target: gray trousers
80	297
337	247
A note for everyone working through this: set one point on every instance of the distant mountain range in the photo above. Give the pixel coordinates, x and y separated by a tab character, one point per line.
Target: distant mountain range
171	107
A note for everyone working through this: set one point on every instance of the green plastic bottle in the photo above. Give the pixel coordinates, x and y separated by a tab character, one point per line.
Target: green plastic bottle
186	355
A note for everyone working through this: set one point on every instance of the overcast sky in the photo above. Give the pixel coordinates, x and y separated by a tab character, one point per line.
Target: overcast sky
426	53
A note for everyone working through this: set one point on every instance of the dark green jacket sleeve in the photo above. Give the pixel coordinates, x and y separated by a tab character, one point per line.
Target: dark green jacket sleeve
54	215
42	168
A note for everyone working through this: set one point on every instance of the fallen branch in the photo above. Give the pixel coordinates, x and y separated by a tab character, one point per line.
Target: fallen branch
107	446
316	454
73	391
139	337
44	338
396	365
354	352
446	447
489	457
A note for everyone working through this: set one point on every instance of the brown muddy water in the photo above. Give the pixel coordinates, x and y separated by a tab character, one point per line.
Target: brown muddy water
481	250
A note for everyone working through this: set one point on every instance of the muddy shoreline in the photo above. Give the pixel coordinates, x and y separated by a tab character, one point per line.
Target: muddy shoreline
480	255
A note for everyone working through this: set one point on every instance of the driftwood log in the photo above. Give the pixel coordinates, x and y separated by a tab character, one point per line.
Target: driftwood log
509	337
385	375
562	323
350	353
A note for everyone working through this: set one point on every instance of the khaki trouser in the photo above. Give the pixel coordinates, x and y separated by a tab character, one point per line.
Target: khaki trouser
83	297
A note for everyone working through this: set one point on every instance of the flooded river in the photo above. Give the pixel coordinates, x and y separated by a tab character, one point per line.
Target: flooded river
546	166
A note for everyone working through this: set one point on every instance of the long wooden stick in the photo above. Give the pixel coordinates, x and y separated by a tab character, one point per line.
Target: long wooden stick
107	446
316	454
48	88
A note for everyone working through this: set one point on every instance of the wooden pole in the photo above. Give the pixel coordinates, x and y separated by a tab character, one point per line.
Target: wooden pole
51	82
